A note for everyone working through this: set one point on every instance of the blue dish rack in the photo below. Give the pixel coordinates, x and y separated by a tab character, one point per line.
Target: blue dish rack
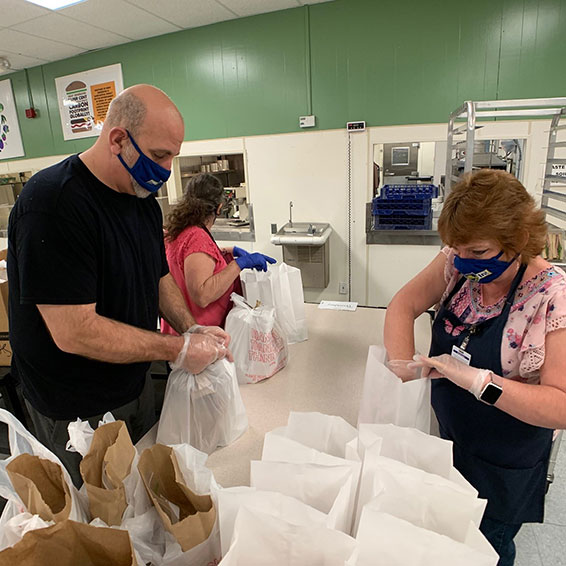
403	207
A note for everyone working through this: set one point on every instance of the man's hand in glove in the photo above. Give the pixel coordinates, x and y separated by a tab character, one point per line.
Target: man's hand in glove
199	351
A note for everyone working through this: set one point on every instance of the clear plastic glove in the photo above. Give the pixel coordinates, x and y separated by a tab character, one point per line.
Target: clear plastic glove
198	352
239	252
402	370
220	334
470	378
255	261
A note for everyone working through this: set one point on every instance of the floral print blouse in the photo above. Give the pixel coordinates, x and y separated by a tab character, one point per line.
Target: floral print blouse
539	307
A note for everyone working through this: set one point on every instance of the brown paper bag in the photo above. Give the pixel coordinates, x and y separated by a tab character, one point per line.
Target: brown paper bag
104	468
69	543
41	486
188	516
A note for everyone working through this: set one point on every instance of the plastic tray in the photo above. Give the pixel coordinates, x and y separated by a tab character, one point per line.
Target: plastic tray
395	192
384	207
402	222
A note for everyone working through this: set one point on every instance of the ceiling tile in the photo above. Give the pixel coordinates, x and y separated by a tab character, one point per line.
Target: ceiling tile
21	61
187	13
58	27
252	7
25	44
16	11
120	18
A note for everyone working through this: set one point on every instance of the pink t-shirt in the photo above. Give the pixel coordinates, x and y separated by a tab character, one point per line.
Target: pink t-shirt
539	307
194	239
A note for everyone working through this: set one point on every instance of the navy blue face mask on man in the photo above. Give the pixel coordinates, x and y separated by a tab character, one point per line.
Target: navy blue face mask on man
482	270
146	172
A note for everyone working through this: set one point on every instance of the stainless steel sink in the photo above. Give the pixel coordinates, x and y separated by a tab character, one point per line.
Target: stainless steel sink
303	228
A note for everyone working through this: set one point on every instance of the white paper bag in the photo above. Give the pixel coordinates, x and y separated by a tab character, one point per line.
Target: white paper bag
386	399
384	539
204	410
411	446
280	287
326	488
263	540
281	506
257	343
425	500
326	433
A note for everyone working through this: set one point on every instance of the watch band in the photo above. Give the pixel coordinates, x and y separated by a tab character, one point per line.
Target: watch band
490	392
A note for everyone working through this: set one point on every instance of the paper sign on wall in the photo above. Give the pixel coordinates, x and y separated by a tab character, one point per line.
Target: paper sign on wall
84	99
10	137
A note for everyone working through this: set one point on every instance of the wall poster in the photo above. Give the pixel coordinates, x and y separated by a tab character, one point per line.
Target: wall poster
10	137
84	99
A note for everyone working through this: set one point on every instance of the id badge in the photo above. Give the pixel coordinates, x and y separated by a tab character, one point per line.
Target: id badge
461	355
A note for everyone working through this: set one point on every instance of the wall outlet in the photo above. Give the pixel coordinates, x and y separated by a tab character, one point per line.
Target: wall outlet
343	288
306	121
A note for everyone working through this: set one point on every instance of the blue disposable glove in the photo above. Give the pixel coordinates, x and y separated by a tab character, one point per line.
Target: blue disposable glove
239	252
254	261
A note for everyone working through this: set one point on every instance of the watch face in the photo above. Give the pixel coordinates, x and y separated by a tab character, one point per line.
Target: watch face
491	393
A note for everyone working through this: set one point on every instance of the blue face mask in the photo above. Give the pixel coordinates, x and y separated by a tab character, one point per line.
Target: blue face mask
482	270
149	174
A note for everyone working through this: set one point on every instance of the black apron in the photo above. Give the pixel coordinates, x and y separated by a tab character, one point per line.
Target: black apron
504	458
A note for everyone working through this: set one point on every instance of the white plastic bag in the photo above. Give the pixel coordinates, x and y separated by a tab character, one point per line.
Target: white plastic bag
204	410
386	399
257	343
384	539
21	442
263	540
280	287
290	509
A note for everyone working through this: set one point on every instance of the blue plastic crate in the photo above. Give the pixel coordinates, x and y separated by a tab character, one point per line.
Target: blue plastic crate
414	207
396	192
398	222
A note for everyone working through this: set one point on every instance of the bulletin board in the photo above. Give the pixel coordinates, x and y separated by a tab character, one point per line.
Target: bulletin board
10	138
84	99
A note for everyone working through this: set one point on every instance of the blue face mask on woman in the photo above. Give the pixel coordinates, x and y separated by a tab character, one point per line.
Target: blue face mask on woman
482	270
146	172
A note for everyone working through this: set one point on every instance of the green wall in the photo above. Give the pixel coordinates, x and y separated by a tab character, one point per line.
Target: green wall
375	60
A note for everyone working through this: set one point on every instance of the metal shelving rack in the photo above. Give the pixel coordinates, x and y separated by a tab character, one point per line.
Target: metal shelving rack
554	186
473	111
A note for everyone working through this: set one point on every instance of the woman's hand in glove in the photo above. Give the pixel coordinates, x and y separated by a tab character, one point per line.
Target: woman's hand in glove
402	370
198	352
470	378
254	261
239	252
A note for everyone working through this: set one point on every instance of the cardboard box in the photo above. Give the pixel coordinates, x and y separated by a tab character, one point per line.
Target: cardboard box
5	349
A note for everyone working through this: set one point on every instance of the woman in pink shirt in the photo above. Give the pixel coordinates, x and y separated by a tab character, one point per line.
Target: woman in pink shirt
205	274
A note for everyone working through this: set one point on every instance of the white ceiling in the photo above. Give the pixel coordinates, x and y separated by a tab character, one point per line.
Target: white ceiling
31	35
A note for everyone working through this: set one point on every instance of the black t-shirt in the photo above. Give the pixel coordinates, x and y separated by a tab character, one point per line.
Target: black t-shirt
71	241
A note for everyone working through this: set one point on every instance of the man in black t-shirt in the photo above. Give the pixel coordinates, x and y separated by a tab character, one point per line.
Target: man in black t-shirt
88	278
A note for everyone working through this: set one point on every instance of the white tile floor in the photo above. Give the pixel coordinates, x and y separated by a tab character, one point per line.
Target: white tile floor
545	544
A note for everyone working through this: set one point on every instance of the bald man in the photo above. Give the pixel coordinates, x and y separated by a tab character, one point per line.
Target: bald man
88	277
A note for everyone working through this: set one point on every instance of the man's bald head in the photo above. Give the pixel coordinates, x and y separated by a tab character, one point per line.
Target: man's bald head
139	104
